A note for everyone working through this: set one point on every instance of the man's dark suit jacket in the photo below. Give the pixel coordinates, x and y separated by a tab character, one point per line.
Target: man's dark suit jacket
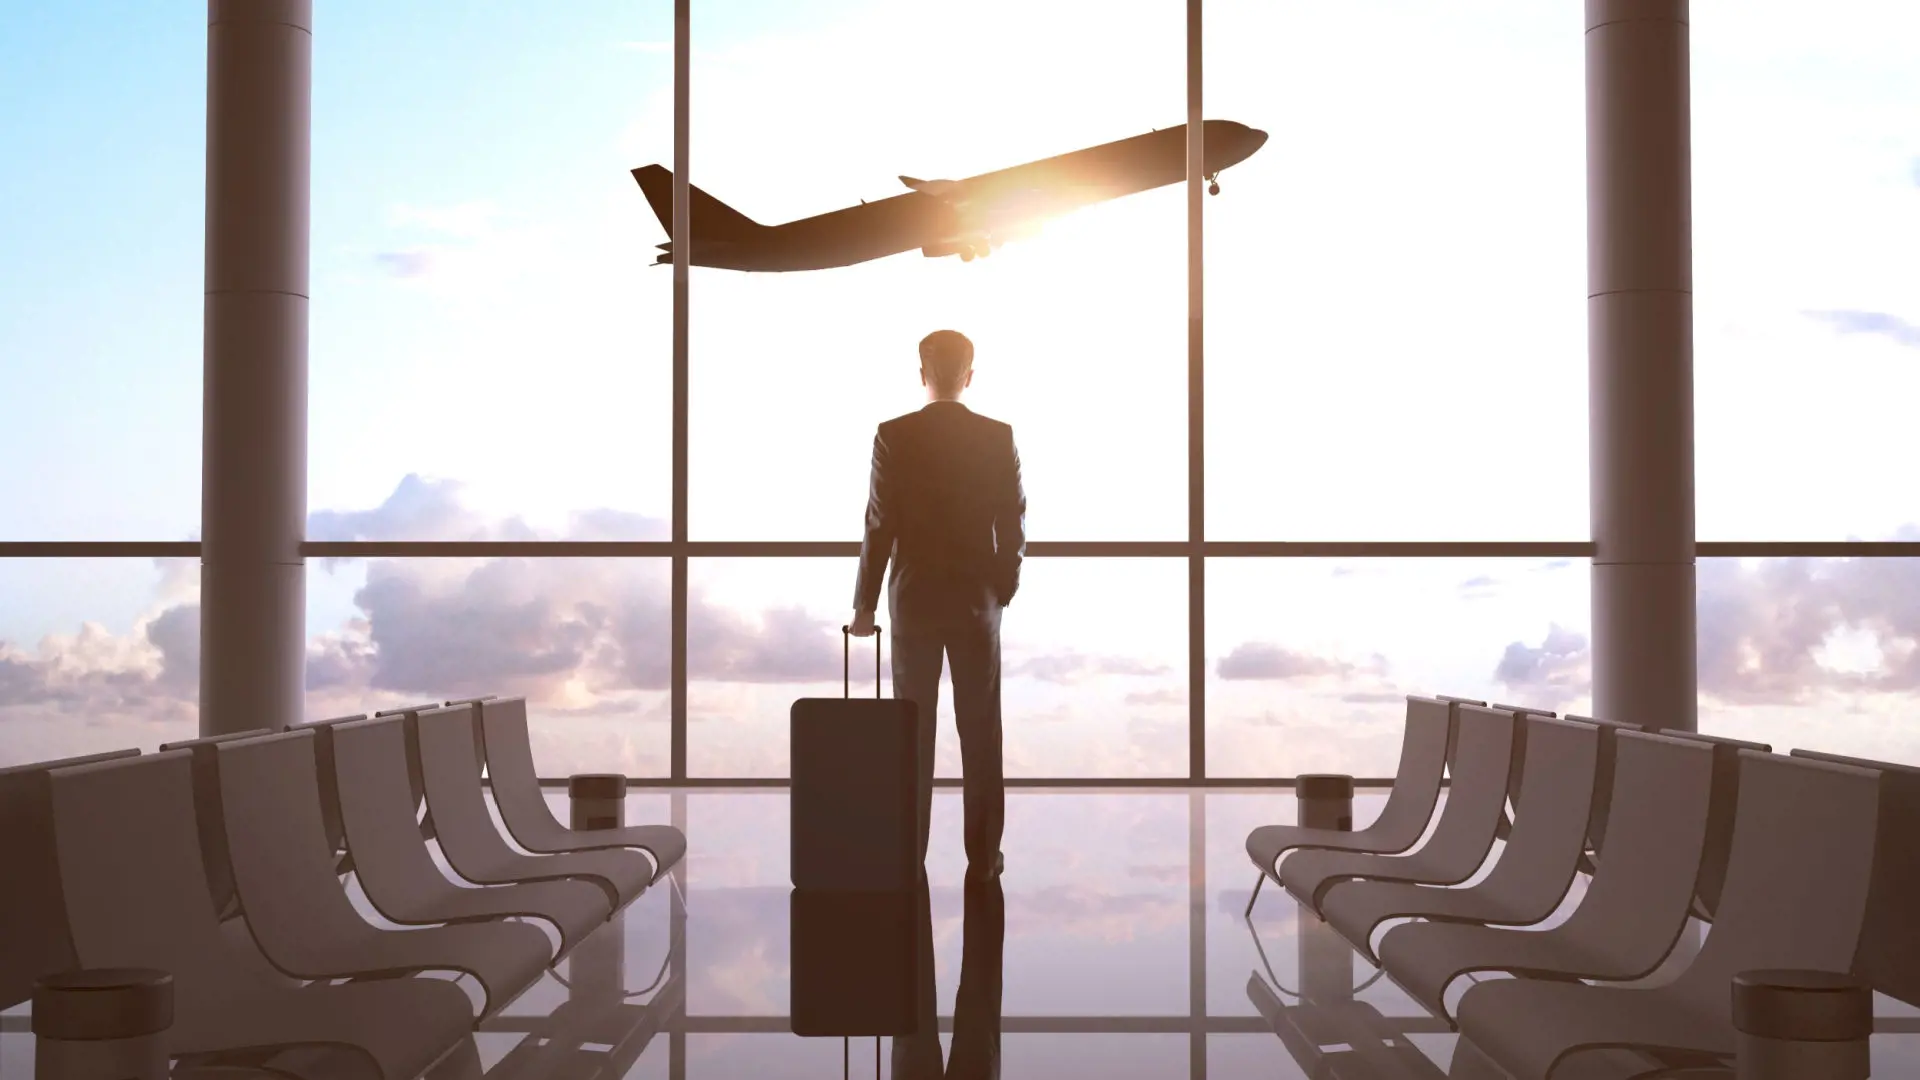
945	504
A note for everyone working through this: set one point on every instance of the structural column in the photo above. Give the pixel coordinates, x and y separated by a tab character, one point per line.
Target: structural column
254	424
1640	360
1196	405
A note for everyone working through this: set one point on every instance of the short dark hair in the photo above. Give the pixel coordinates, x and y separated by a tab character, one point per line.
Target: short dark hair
945	358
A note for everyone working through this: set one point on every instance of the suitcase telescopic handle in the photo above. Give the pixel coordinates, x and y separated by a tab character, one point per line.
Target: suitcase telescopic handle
846	660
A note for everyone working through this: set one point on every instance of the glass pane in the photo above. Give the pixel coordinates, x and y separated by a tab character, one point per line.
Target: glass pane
97	655
1080	330
1093	659
1396	285
101	291
1804	228
1311	659
1815	654
491	326
583	640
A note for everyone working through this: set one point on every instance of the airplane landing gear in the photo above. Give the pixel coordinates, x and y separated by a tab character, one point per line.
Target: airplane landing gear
1213	184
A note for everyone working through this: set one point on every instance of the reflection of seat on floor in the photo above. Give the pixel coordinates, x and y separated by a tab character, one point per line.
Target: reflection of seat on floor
1349	1040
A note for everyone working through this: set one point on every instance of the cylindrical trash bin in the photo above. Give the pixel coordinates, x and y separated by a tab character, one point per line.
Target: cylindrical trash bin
1326	801
1802	1025
597	801
102	1024
597	970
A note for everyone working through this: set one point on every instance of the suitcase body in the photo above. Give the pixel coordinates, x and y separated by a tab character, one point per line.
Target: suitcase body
855	795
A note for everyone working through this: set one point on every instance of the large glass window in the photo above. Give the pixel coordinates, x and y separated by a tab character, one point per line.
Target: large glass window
1080	331
583	640
97	655
1396	315
1805	217
1093	665
1818	654
103	116
1312	659
484	313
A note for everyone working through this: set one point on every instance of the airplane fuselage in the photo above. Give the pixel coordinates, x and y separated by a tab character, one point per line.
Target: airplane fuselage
969	217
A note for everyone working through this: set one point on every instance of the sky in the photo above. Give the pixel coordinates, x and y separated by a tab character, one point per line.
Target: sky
1396	350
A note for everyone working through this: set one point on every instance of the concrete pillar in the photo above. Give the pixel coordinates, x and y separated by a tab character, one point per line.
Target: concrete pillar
254	428
1640	361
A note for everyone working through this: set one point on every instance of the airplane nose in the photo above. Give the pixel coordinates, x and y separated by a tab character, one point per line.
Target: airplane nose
1255	139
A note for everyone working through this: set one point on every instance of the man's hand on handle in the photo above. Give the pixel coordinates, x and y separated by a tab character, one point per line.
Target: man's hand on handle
862	624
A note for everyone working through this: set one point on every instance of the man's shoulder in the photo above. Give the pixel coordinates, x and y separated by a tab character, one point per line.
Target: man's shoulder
990	424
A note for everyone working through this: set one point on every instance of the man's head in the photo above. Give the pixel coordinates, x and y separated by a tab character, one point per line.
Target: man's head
946	363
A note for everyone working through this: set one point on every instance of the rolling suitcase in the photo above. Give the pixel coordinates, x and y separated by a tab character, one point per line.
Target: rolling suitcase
855	795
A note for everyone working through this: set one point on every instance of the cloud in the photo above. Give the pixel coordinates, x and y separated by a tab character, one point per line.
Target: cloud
417	262
1892	327
1163	696
1259	660
1373	697
646	46
1481	586
577	634
1556	671
1070	667
1770	632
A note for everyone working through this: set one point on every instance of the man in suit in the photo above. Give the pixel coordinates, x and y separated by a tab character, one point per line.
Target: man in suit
946	507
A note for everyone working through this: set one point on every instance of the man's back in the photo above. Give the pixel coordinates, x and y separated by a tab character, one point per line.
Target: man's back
946	508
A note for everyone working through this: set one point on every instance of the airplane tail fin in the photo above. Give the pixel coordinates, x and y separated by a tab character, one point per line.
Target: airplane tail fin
710	218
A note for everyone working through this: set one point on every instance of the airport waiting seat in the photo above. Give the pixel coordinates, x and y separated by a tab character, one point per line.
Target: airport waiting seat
1635	905
468	838
1534	871
135	895
1462	838
300	915
1602	783
1795	897
516	791
1889	956
395	867
1727	775
1410	802
33	926
210	818
330	796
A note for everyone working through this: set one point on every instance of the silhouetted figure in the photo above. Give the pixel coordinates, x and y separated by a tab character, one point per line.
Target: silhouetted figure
945	505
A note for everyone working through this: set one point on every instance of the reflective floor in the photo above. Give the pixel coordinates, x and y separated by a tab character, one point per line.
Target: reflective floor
1122	952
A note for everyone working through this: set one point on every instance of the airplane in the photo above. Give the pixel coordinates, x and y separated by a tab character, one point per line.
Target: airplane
968	218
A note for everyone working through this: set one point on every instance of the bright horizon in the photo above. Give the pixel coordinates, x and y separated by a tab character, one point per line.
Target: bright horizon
1396	350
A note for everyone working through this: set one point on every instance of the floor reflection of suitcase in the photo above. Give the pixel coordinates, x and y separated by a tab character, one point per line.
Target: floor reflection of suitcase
856	768
856	962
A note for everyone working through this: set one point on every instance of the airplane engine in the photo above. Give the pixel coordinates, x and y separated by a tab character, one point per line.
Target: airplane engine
969	248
